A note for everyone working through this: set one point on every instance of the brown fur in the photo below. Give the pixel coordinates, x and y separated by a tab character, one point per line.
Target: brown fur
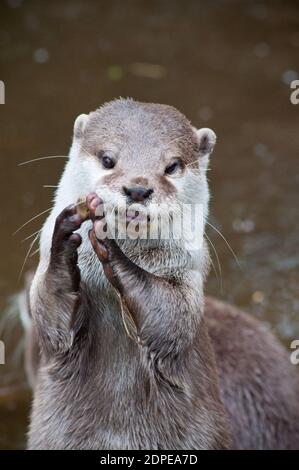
186	373
258	383
256	380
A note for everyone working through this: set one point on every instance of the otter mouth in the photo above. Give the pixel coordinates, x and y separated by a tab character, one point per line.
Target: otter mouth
133	215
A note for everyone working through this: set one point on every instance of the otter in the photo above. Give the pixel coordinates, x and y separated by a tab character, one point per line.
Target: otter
195	373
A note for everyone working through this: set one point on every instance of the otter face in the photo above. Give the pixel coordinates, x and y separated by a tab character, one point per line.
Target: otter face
143	157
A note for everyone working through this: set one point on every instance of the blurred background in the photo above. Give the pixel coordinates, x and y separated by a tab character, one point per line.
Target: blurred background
226	65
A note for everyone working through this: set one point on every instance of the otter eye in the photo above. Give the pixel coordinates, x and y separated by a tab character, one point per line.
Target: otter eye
173	168
107	162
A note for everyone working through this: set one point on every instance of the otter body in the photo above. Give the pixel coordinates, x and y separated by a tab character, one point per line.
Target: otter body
132	356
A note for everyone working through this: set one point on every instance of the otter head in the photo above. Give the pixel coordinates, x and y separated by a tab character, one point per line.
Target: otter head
146	157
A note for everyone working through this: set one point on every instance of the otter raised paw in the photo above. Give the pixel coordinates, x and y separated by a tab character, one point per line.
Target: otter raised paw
65	242
60	285
104	246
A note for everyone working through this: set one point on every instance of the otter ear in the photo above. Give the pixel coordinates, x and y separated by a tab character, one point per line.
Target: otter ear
79	126
206	139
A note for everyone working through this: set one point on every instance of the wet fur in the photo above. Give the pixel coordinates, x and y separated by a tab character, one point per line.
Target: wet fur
97	388
256	381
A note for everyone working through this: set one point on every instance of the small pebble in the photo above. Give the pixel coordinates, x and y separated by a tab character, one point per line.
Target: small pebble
82	208
258	297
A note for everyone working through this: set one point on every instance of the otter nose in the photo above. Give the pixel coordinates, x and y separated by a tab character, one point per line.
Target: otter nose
137	194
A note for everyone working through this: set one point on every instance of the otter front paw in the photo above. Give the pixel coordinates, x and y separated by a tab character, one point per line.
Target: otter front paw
106	248
64	256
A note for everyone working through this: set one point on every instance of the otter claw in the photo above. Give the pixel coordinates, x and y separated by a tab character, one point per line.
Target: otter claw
95	206
65	243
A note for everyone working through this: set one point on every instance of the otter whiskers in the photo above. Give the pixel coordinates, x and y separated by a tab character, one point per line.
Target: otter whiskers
30	236
179	210
227	244
41	158
33	218
34	253
27	255
218	261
